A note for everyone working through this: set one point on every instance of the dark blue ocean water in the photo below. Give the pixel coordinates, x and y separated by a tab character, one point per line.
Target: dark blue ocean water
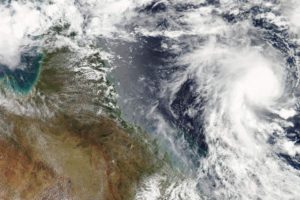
143	66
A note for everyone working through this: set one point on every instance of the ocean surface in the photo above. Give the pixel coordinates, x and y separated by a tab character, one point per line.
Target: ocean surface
215	83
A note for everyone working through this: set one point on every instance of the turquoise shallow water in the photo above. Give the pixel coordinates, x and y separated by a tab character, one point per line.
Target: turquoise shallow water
21	80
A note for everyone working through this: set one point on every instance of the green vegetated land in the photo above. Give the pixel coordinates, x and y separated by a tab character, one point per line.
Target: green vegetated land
65	148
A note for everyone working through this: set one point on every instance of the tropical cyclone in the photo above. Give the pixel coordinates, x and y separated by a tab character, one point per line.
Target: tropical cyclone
215	83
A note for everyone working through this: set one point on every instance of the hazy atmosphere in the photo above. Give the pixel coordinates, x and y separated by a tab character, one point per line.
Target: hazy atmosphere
149	100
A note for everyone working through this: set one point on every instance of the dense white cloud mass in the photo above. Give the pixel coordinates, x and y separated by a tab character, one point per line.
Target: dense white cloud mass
239	66
243	80
241	84
16	22
25	24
